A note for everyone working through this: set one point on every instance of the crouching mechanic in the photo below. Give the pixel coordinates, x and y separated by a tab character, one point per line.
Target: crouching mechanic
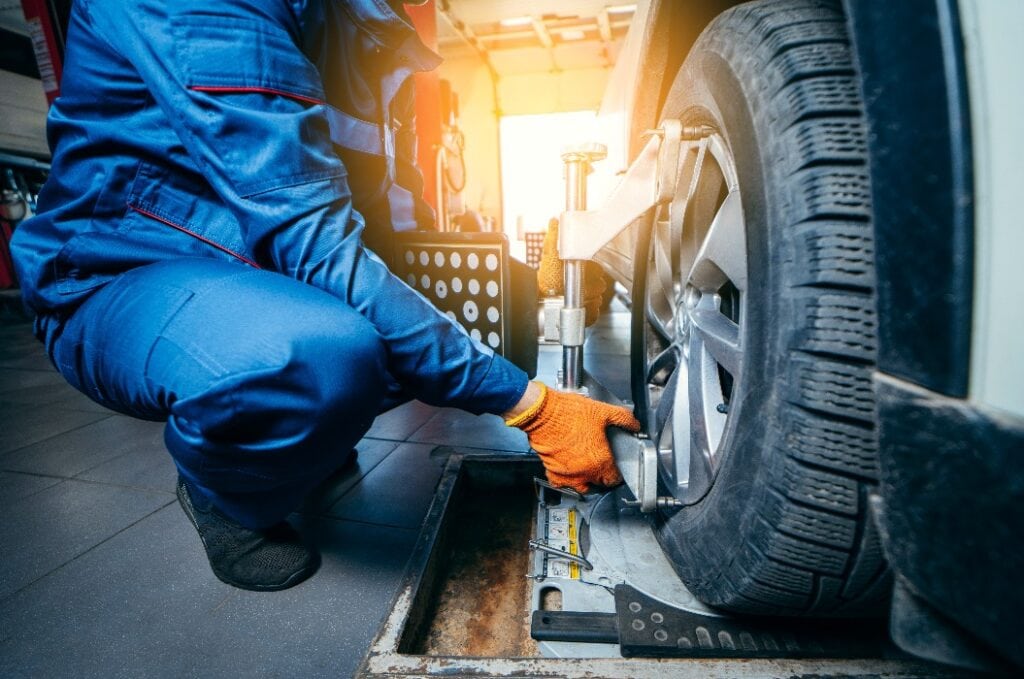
222	176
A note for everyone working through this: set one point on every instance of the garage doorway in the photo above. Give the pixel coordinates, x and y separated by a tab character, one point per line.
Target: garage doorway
533	189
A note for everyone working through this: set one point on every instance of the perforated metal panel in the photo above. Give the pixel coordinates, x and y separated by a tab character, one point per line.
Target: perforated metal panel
534	248
472	280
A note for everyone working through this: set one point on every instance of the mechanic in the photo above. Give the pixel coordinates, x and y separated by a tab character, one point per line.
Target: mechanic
205	253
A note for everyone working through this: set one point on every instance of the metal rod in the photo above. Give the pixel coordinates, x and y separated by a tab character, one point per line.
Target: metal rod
561	553
576	170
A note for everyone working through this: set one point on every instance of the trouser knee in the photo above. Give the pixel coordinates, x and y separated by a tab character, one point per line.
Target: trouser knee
258	441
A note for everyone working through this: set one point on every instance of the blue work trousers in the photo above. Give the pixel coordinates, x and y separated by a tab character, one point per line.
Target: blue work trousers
265	383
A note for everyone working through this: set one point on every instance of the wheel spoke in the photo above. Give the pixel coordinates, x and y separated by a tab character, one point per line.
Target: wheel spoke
688	167
697	392
723	253
663	414
661	368
720	337
700	472
658	315
702	198
706	423
660	302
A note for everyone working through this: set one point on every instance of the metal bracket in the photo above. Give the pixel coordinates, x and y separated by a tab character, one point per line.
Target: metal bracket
550	319
637	460
650	180
582	233
572	326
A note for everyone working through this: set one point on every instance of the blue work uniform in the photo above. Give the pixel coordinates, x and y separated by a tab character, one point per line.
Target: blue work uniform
203	251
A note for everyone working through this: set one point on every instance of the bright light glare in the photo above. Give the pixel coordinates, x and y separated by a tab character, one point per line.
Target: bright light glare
621	9
573	34
512	22
531	166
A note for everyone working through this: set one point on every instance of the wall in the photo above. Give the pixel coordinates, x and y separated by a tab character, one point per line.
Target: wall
519	94
551	92
470	80
22	115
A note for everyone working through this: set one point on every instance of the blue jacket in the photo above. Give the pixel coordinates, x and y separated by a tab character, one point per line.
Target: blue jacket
225	129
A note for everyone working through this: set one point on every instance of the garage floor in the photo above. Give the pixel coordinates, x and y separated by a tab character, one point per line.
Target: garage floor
102	575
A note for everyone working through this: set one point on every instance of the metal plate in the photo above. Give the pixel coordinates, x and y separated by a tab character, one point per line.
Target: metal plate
465	277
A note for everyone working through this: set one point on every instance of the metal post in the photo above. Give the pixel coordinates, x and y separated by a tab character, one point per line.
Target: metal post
573	314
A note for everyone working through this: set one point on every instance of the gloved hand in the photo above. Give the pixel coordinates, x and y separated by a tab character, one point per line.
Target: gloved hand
551	276
568	432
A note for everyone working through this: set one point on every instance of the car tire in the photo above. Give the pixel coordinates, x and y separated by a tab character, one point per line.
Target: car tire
776	521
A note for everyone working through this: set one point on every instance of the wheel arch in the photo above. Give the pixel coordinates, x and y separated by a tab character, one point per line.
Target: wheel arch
671	29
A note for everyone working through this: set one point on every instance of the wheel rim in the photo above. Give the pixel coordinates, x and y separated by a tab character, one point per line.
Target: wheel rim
694	312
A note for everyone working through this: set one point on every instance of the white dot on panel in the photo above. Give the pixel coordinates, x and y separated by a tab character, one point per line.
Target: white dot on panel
424	258
492	288
475	334
441	289
472	261
456	260
492	314
470	311
409	257
474	286
491	262
439	259
425	281
411	280
493	339
457	284
451	315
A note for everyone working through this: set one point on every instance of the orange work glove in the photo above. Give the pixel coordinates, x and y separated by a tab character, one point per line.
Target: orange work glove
551	276
568	432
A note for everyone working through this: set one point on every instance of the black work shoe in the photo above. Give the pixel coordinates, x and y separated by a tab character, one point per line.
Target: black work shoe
264	561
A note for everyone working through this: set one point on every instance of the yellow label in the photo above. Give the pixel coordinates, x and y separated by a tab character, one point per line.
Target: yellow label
574	547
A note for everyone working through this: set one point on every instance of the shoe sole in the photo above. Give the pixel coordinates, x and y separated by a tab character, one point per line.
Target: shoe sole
294	579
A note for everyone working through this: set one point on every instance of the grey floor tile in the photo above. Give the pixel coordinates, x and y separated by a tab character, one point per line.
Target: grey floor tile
61	395
451	427
398	424
611	370
397	492
146	604
13	379
18	341
15	486
605	343
370	453
335	614
22	425
146	466
61	522
76	451
76	400
25	358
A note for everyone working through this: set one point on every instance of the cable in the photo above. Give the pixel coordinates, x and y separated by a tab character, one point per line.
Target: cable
459	140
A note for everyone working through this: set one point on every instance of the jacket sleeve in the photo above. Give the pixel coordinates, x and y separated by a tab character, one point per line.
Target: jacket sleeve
248	108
